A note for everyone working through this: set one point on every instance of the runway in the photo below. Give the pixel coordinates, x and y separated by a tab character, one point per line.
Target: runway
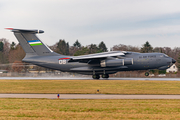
89	96
84	78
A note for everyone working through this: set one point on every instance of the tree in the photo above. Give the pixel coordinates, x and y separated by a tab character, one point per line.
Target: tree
16	54
1	46
93	48
178	61
77	44
158	49
6	47
4	50
122	47
90	49
17	66
146	48
62	47
67	48
83	51
72	50
102	47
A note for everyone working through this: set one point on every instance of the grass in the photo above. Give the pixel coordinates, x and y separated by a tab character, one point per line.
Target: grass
90	86
88	109
43	109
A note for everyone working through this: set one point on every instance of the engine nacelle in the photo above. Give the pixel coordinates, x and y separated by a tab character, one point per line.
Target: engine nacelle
128	61
116	62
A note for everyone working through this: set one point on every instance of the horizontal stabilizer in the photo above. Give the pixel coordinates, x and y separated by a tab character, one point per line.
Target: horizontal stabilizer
25	30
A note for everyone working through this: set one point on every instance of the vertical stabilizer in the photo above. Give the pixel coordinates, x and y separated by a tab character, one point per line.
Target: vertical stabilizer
31	44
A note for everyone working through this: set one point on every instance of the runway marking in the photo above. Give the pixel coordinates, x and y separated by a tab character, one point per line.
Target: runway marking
89	96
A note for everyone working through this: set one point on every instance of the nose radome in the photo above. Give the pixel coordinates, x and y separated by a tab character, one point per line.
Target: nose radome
173	60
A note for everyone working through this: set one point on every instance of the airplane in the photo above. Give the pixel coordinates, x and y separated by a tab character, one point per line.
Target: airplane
103	64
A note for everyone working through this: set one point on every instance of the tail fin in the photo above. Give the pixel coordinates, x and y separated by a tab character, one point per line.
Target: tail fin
31	44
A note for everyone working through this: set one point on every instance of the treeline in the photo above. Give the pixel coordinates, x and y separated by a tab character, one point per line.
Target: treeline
11	53
62	47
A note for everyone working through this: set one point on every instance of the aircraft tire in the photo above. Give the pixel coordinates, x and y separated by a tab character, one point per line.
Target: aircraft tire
146	74
95	76
105	76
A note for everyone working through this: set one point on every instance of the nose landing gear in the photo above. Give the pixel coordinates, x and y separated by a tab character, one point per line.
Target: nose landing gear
147	74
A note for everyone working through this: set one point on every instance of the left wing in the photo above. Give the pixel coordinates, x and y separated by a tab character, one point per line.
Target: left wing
98	56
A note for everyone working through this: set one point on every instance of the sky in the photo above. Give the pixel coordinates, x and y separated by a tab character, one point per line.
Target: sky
129	22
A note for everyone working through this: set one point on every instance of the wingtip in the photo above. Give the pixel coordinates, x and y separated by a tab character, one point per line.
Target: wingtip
9	28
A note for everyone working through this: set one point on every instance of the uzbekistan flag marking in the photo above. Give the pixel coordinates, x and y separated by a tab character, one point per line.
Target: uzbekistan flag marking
35	42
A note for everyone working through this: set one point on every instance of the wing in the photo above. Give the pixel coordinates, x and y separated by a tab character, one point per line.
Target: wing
96	57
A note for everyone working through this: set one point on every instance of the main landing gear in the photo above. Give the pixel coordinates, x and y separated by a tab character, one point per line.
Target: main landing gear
95	76
103	76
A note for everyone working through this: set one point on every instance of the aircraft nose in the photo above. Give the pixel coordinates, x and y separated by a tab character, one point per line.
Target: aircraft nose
173	60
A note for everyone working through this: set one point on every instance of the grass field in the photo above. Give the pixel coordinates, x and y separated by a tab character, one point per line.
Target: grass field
90	86
43	109
88	109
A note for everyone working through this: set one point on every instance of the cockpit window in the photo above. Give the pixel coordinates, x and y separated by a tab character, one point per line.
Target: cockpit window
164	55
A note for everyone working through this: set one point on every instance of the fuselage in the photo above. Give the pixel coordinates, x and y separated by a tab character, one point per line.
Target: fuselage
140	61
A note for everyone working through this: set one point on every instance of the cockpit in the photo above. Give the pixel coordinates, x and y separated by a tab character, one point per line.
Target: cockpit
164	55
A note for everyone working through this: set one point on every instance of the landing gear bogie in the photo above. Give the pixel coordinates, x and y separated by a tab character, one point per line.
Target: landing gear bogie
105	76
95	76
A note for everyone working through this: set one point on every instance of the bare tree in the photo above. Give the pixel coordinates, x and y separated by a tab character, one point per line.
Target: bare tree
16	54
17	66
122	47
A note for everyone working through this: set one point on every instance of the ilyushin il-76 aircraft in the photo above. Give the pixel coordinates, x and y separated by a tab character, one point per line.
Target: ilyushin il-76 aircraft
99	64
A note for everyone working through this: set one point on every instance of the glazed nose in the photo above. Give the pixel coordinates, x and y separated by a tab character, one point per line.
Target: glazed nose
173	60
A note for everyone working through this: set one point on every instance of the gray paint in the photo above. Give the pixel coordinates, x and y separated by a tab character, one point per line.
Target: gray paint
89	64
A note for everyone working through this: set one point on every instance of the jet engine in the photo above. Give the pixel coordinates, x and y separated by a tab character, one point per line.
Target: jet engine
116	62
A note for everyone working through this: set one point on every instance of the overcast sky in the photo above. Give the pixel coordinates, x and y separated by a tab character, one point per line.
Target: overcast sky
129	22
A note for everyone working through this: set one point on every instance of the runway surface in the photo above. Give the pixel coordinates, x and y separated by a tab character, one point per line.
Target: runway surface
89	96
84	78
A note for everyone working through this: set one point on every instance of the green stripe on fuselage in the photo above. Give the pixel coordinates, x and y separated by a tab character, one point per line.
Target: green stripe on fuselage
36	44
